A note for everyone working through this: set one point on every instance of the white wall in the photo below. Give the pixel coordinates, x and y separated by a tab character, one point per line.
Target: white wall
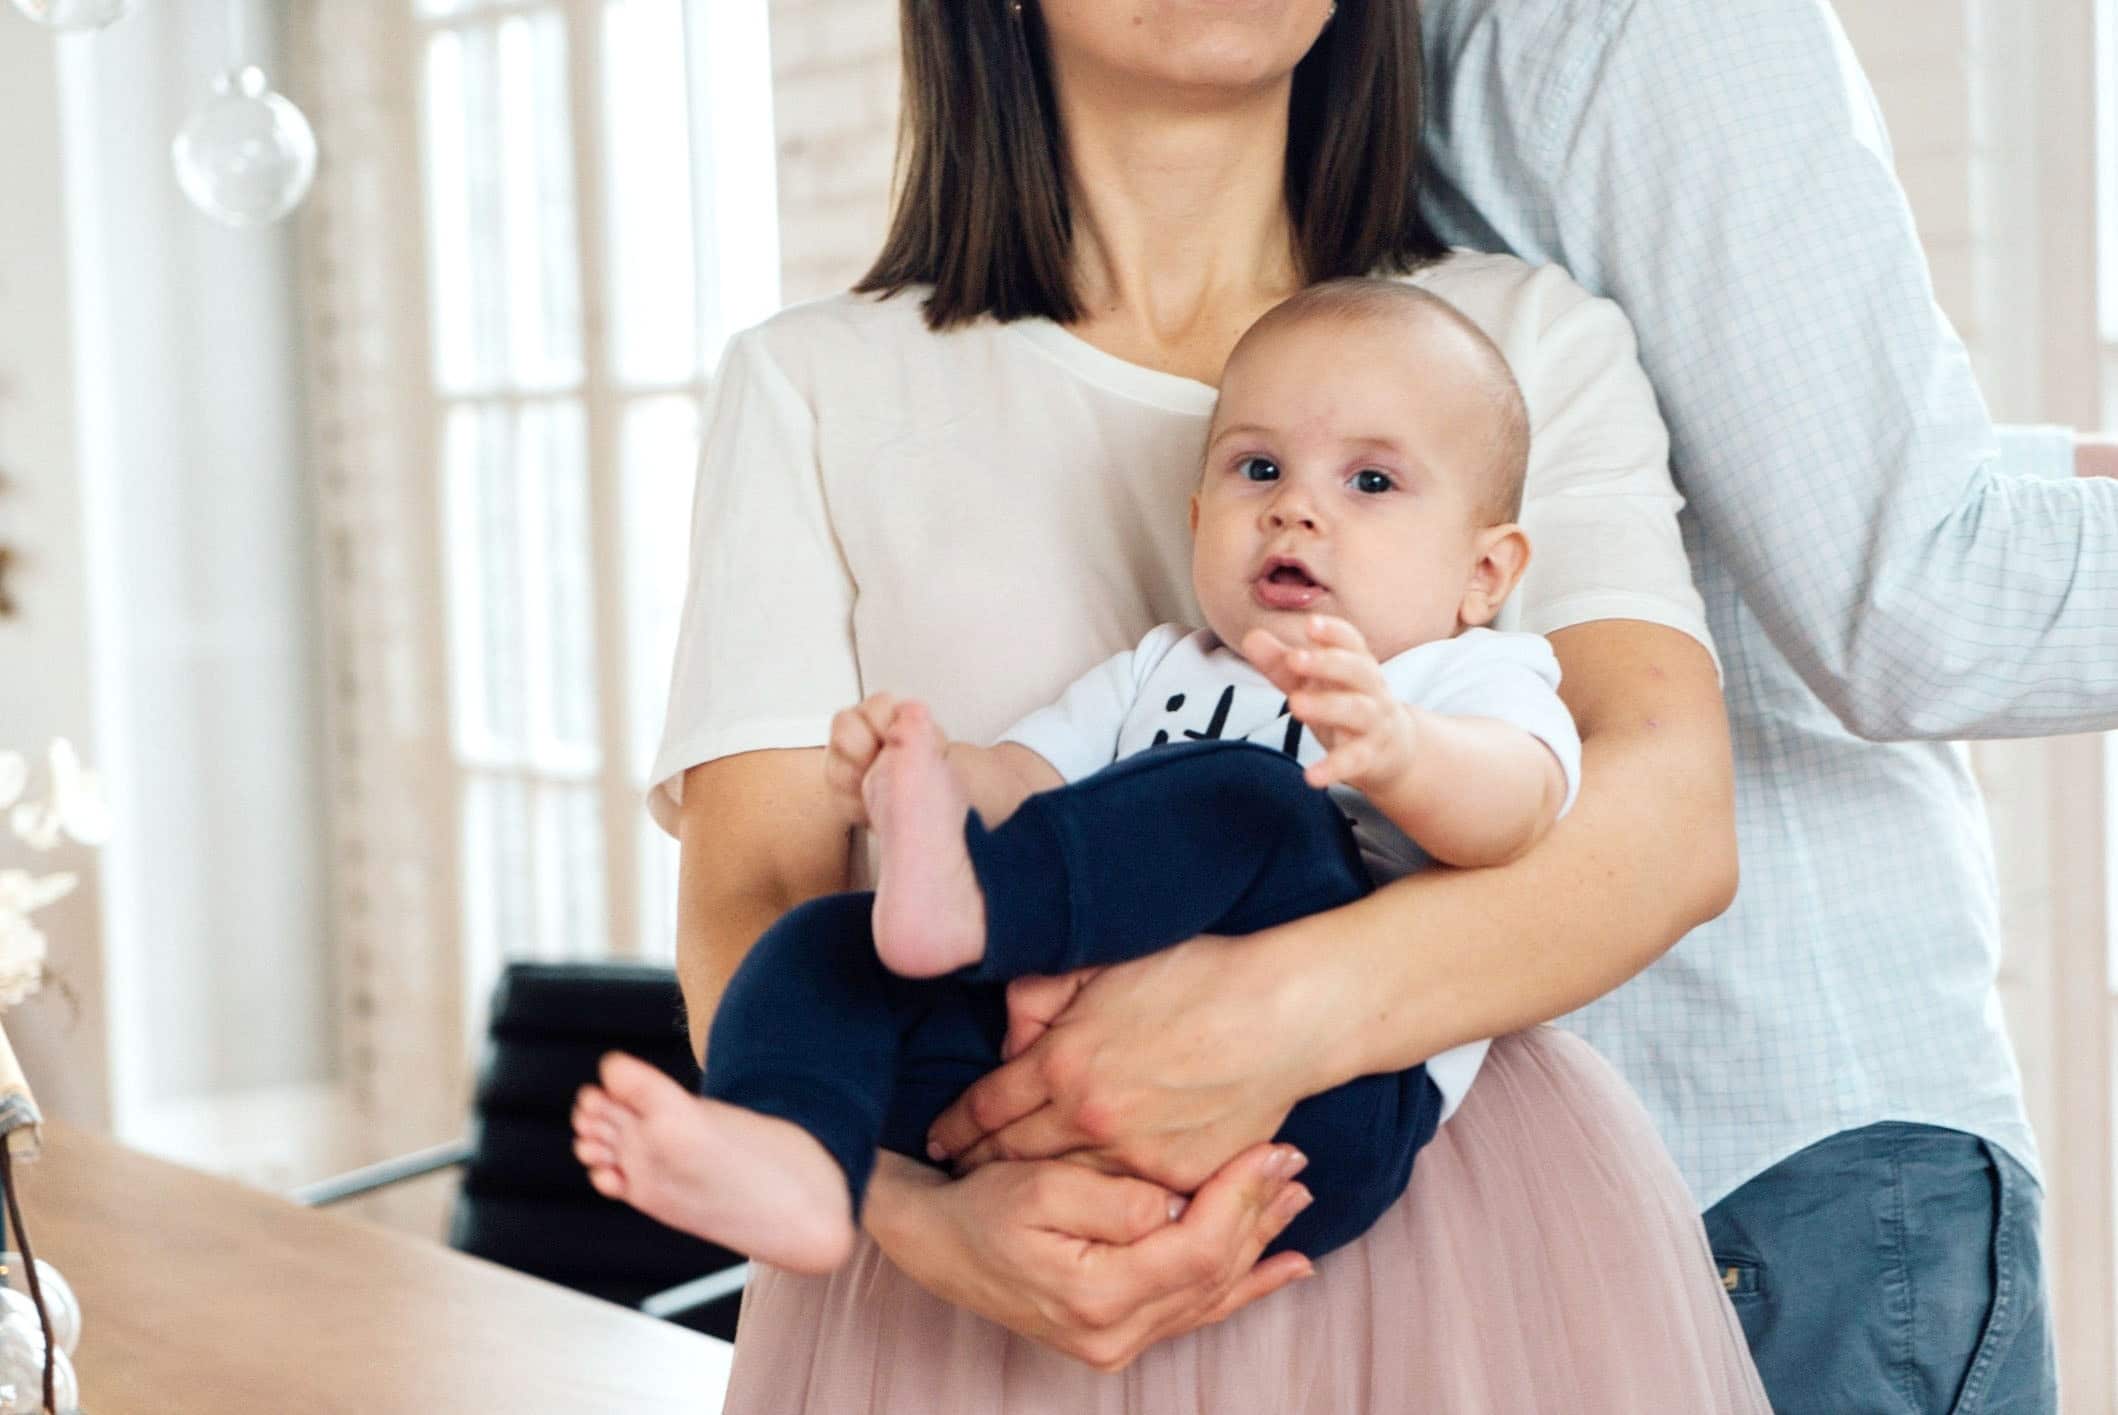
177	506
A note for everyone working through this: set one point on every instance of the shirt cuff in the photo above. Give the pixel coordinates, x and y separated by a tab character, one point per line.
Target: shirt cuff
1591	606
665	792
2043	450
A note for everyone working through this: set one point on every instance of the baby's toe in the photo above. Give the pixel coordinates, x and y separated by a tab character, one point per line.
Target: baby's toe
633	1085
591	1126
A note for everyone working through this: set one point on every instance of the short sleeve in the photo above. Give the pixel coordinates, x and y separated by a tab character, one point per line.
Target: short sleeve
764	653
1078	734
1600	507
1513	678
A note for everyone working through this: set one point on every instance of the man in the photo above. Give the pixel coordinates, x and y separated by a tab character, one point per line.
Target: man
1884	571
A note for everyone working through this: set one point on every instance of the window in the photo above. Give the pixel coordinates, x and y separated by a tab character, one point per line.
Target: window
599	218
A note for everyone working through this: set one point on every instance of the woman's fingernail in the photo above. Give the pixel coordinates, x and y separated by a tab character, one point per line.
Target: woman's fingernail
1290	1201
1276	1163
1299	1163
1305	1274
935	1151
1177	1206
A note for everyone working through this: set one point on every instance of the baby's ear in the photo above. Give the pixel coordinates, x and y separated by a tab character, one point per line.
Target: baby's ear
1503	554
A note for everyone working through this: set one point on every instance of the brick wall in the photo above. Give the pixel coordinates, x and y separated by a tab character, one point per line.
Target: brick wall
1931	90
1953	84
835	81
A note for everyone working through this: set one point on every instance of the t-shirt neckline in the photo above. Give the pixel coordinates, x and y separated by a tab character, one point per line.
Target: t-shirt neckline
1170	391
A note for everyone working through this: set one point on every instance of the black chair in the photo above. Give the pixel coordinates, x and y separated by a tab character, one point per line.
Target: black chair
526	1202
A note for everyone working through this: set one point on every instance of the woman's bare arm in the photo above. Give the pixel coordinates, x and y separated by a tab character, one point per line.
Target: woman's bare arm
759	836
1432	961
998	779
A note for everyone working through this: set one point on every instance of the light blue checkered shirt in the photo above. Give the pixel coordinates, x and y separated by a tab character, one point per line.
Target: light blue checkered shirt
1877	560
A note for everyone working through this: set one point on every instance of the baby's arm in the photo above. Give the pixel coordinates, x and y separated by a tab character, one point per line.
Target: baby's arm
1471	791
997	779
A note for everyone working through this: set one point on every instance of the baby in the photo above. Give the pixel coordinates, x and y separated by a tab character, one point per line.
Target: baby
1353	531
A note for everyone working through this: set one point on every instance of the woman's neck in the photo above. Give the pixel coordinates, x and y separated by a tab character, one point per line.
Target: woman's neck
1180	226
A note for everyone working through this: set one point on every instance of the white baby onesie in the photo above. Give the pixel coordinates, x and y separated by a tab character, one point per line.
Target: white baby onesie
1179	684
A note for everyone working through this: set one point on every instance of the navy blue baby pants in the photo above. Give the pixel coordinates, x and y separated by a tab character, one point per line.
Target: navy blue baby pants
1186	839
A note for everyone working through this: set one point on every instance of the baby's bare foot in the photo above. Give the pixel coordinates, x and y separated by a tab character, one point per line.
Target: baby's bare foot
757	1184
929	910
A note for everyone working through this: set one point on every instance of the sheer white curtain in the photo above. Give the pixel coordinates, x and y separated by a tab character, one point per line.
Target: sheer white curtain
536	223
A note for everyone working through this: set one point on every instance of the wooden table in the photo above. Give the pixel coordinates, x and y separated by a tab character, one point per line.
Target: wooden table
202	1295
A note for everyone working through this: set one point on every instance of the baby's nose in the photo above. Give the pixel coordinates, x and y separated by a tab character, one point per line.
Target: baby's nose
1291	511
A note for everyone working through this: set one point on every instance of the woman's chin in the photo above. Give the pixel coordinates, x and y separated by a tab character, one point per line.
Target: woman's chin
1208	50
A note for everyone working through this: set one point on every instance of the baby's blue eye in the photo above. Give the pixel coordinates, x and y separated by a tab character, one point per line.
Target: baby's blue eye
1371	481
1259	469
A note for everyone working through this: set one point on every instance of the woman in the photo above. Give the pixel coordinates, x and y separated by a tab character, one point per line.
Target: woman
988	467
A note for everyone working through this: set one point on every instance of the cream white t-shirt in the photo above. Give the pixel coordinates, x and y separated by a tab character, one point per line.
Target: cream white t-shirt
975	518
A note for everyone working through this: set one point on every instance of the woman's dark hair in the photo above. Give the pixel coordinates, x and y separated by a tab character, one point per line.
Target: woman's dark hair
981	207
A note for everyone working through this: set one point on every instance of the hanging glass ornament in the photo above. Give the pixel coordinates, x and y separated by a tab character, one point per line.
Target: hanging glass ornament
22	1365
60	1304
247	156
74	14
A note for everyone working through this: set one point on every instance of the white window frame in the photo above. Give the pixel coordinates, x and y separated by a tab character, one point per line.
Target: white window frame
737	272
409	1008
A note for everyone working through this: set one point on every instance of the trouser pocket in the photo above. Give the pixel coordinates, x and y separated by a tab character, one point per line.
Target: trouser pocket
2013	1370
1893	1268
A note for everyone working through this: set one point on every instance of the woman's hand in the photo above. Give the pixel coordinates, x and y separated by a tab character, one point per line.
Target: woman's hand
1092	1265
1168	1094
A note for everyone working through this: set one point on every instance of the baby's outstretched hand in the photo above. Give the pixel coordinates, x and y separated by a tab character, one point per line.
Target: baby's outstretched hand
856	740
1335	688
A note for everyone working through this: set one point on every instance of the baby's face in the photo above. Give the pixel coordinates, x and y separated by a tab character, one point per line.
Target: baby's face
1345	475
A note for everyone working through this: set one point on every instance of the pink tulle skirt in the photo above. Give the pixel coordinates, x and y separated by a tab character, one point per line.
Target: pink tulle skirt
1547	1258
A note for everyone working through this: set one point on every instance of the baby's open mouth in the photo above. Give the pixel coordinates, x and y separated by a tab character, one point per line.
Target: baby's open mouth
1286	585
